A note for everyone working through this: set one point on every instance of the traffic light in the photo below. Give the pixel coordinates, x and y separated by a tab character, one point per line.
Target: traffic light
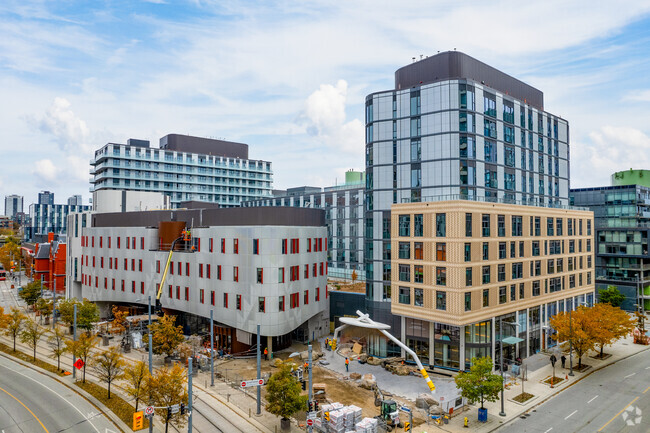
304	385
182	408
327	416
407	426
315	406
311	406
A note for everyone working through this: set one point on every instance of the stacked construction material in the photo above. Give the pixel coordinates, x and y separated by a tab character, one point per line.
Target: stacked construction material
357	413
337	422
367	425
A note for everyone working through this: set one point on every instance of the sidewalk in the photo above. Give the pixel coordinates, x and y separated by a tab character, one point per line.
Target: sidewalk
411	386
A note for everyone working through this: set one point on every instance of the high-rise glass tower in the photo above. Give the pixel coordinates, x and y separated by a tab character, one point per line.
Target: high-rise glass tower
455	128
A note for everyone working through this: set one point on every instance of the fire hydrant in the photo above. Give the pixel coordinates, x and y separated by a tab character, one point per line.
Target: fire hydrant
465	422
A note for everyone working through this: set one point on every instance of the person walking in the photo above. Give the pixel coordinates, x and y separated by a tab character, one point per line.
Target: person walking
347	364
266	353
563	359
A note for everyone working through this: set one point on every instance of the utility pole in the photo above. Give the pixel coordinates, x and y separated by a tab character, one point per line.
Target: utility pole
309	392
74	338
189	394
150	343
211	348
54	306
259	372
503	412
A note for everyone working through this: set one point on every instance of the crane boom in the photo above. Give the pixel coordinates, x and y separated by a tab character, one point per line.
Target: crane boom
164	276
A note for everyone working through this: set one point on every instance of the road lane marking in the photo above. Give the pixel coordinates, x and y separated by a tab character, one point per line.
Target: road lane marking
570	415
53	391
629	375
548	430
646	390
592	399
28	409
647	368
619	412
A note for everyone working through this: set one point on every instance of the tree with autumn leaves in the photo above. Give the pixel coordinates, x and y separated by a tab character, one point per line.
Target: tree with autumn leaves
588	328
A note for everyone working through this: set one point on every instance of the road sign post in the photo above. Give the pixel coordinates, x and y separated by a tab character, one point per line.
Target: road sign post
254	382
79	363
148	411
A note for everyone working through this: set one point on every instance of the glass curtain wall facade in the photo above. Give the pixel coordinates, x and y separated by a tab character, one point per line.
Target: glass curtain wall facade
343	207
622	220
457	138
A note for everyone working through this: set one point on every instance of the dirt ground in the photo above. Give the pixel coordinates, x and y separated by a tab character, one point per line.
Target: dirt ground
339	387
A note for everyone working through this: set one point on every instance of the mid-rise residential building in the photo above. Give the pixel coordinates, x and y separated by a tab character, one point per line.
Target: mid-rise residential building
622	219
185	168
249	266
13	205
49	218
343	205
462	269
454	128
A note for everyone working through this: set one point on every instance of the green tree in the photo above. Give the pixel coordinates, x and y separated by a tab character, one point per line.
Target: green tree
82	348
136	376
14	322
31	334
612	296
44	307
167	388
283	394
165	336
479	383
87	313
31	293
108	366
57	345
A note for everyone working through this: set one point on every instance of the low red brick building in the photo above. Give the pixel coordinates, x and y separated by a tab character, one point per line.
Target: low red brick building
49	264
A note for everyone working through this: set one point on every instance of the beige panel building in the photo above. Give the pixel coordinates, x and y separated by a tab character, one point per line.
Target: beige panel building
460	267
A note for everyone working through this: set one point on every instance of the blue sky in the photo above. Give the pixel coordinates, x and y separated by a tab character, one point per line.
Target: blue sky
290	78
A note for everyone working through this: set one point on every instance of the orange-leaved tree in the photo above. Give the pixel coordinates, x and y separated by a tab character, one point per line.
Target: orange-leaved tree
611	323
579	331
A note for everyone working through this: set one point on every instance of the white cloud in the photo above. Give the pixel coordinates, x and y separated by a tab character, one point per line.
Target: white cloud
46	171
70	131
326	120
638	95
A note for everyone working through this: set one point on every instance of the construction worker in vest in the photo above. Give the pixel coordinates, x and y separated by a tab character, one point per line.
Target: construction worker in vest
347	364
327	343
465	423
266	353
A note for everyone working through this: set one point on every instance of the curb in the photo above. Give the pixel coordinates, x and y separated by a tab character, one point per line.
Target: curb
119	424
539	403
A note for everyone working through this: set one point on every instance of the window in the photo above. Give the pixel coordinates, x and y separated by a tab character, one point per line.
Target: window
468	301
517	225
486	274
187	293
468	252
418	229
261	304
512	250
404	250
468	276
235	273
306	297
441	300
307	271
238	302
549	227
260	276
468	224
588	228
405	273
441	251
418	297
486	251
210	244
235	246
294	300
538	268
486	297
441	224
558	226
501	272
517	270
201	296
538	226
441	276
280	275
485	224
317	294
536	288
535	248
502	250
550	266
200	270
521	290
225	300
418	251
404	295
281	303
502	295
212	297
418	274
501	225
256	246
405	225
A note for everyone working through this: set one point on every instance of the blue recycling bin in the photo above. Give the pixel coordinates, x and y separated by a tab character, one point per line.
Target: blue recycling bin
482	415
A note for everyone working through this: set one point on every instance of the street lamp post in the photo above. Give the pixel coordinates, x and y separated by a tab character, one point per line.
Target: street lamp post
501	323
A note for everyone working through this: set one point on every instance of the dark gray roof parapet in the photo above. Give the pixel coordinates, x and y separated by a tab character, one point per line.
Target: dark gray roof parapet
457	65
207	146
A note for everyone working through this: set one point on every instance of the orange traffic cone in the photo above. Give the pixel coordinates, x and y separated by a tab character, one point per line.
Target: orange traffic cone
566	376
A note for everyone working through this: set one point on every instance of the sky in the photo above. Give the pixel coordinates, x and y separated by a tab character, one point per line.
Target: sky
290	78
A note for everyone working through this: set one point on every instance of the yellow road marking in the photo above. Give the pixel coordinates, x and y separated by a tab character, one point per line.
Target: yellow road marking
646	390
620	412
23	404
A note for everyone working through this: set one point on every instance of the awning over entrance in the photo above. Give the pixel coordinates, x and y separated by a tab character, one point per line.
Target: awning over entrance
512	340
